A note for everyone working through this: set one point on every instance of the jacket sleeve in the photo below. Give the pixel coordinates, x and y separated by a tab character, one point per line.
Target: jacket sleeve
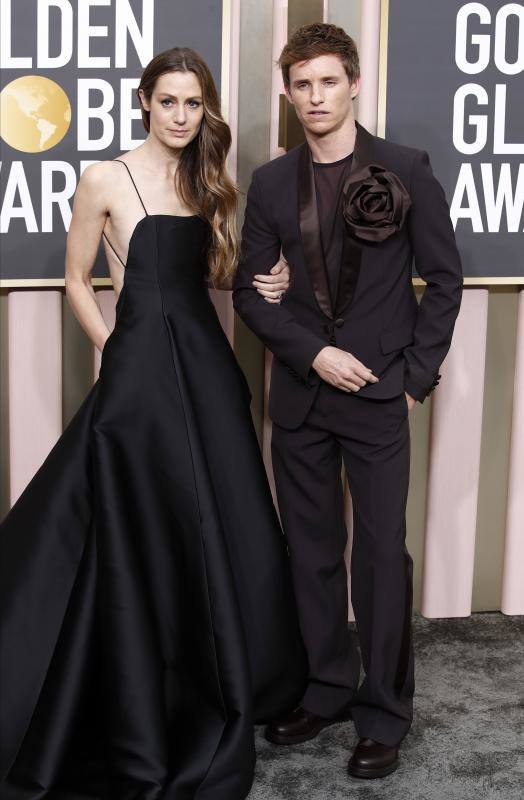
438	262
290	342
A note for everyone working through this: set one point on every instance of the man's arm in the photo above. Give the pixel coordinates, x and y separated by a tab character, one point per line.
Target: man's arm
292	343
438	262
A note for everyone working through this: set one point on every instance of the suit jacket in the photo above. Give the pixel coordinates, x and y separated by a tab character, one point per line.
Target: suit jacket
375	315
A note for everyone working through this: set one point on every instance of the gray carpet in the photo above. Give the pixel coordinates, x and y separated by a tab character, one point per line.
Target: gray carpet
467	738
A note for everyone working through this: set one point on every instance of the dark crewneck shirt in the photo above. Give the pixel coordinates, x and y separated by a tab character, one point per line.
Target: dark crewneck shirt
329	180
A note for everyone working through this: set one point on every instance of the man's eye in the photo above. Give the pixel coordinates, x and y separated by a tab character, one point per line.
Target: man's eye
330	83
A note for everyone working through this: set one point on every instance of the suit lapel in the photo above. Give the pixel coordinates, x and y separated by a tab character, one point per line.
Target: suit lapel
310	230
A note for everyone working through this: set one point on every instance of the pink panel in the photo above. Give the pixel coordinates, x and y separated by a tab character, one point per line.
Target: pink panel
369	61
453	478
107	302
513	575
35	381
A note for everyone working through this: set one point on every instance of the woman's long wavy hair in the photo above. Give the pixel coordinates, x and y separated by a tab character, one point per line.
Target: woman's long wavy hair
202	180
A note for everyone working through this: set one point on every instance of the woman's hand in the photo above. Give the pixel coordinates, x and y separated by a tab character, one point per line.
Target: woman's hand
273	286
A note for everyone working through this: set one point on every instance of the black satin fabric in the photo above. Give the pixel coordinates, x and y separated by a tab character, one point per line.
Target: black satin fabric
147	613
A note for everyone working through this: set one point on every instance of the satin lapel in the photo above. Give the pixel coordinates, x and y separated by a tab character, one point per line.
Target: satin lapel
310	231
351	248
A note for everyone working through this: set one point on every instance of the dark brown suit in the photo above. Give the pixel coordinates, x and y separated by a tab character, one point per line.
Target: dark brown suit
376	318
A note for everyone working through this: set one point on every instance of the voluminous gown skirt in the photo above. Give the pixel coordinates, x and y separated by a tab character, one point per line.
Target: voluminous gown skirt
147	611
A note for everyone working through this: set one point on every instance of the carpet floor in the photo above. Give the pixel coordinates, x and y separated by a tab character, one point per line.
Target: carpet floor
467	737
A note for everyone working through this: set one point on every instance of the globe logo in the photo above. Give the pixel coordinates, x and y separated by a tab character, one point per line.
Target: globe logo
35	114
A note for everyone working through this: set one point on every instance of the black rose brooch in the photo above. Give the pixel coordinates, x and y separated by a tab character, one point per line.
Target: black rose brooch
375	203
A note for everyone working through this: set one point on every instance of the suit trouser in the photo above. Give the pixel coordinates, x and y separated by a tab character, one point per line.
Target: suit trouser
373	439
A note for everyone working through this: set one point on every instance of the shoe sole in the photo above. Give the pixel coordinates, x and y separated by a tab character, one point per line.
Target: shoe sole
274	738
360	772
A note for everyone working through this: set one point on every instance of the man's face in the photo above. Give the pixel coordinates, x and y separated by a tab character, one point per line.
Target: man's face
321	93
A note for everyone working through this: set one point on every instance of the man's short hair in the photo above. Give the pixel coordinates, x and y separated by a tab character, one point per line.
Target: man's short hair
320	39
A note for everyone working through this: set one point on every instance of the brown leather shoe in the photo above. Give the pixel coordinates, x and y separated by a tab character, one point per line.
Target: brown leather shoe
373	760
301	725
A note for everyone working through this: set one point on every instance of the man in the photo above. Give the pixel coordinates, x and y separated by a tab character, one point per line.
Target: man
353	353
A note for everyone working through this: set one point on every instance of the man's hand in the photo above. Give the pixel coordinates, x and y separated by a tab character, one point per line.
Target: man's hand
410	400
342	370
273	286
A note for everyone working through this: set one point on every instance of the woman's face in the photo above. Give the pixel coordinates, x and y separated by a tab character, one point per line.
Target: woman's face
176	108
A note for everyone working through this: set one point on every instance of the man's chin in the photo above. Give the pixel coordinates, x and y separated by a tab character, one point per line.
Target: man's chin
319	128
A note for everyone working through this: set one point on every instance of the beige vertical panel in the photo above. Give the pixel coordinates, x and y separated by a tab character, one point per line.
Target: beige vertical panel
347	14
453	478
494	454
230	64
513	572
107	301
369	63
254	108
280	12
35	381
4	408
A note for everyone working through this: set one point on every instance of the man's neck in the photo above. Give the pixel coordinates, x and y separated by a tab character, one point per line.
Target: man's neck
333	146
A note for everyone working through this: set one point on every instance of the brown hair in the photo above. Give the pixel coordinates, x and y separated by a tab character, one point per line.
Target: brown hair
320	39
202	180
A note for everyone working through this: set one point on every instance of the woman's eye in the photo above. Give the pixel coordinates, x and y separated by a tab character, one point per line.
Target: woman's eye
166	102
194	104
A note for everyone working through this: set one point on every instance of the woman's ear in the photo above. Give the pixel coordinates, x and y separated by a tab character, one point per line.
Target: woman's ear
143	102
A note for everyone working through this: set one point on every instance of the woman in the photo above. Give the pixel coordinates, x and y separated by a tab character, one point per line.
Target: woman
148	617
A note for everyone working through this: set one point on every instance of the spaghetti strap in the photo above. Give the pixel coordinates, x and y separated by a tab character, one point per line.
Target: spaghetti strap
113	249
139	197
133	182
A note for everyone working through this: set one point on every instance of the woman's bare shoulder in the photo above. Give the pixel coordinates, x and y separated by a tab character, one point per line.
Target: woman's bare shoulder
101	182
102	173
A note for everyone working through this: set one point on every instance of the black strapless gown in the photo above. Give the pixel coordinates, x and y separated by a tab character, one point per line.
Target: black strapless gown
147	611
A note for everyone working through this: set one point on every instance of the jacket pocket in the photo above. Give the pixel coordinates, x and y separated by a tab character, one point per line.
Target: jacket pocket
396	338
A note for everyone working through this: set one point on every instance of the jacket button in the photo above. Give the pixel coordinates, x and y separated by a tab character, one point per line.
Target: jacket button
339	322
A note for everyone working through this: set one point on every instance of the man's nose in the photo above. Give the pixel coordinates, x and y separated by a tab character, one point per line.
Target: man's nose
316	96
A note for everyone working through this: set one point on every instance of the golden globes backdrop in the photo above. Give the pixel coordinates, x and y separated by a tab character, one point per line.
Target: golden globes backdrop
454	75
69	72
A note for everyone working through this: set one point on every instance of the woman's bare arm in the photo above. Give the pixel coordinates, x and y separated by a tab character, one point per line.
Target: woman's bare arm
89	216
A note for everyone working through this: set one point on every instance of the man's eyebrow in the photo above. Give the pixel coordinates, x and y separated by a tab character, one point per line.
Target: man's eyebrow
324	78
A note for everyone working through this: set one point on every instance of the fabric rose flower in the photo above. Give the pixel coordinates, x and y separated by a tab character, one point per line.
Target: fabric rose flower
375	203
